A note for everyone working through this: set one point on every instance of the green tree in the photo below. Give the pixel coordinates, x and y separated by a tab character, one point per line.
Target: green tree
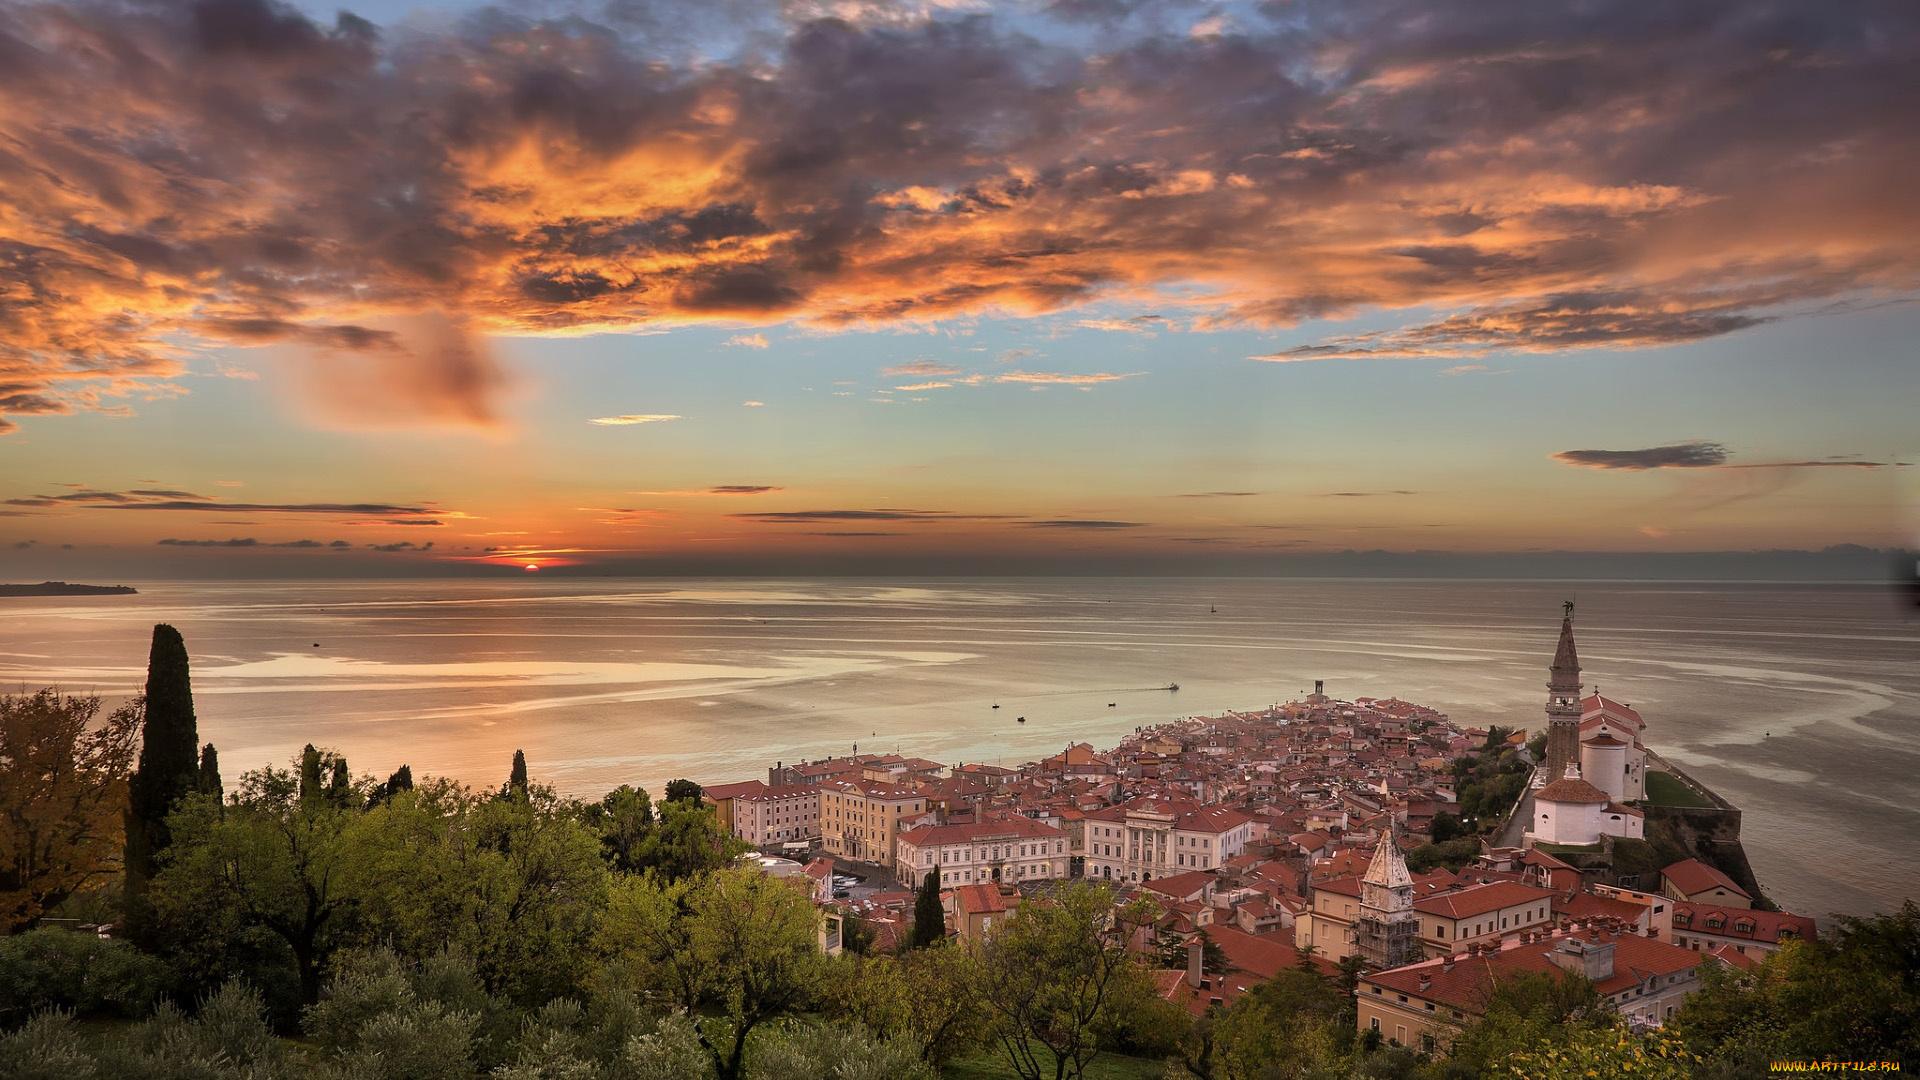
1444	827
340	786
517	776
929	917
208	779
1295	1024
687	842
623	818
1052	975
683	791
735	948
310	769
1213	959
1588	1051
63	791
168	770
925	996
272	860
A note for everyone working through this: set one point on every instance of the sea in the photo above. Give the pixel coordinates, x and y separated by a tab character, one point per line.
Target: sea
1800	703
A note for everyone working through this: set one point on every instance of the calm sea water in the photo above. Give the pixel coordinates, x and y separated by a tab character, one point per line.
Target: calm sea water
1800	703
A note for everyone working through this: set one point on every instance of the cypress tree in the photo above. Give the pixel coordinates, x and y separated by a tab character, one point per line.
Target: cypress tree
209	779
929	919
517	779
168	766
342	785
309	773
401	780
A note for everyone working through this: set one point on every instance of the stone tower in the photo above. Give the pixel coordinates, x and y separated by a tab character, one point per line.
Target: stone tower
1563	703
1386	933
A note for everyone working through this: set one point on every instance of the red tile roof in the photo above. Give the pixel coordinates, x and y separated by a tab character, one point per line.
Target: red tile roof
1013	828
723	792
1737	922
1635	959
1479	899
982	899
1693	876
1571	789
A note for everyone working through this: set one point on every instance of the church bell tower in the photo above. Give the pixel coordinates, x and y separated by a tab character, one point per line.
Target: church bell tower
1563	703
1386	933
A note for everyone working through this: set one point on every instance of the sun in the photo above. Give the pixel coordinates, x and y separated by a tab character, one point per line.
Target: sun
533	566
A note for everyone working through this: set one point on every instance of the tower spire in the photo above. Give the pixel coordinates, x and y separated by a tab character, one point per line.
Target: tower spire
1385	931
1563	701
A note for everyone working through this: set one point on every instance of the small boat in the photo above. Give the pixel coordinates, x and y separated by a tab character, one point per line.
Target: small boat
1112	704
1173	686
996	706
1019	719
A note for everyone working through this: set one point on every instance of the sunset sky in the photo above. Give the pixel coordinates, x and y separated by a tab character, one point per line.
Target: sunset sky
1079	285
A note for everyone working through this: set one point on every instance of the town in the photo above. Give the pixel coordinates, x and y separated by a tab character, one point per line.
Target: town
1428	858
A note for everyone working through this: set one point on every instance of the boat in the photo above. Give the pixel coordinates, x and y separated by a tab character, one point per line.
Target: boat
1019	719
1173	686
996	706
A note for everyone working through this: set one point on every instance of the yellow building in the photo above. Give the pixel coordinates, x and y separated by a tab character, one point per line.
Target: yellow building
860	819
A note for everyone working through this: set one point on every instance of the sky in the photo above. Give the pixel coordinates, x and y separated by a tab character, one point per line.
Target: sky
1089	285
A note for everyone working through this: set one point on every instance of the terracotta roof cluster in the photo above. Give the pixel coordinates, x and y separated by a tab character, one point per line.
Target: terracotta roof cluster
1572	789
1736	922
1465	982
1011	828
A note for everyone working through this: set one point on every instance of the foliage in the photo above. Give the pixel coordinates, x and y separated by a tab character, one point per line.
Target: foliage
207	780
227	1040
929	918
622	819
275	859
1488	783
1588	1052
1213	959
50	968
924	996
736	943
683	791
1453	855
1854	995
1529	1009
517	776
63	791
1444	827
811	1051
1295	1024
1051	977
687	842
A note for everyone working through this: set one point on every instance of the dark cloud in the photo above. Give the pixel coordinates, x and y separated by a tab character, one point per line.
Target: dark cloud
1084	524
355	509
1694	455
403	545
236	542
853	534
788	516
743	489
1551	177
22	545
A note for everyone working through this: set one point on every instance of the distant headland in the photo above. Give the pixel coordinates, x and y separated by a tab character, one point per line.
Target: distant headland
61	588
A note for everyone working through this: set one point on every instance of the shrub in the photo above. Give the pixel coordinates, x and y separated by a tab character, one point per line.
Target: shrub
60	969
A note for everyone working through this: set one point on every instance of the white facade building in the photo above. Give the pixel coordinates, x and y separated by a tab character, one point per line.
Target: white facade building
1151	838
1009	851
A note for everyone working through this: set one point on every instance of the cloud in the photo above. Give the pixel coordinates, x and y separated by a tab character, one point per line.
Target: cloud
634	418
1464	369
748	341
354	509
1214	495
852	534
924	386
404	545
1051	377
752	404
1693	455
721	489
214	173
1084	524
235	542
792	516
921	367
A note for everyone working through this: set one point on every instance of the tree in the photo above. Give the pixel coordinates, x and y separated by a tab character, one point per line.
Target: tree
1295	1024
517	776
272	859
340	787
1051	977
1614	1050
687	843
169	766
734	948
683	791
1213	959
63	791
623	818
1444	827
208	780
929	917
309	773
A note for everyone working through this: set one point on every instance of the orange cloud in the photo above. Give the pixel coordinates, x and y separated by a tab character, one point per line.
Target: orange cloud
230	172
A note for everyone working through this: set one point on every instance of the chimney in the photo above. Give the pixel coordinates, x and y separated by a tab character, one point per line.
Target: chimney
1592	959
1447	964
1195	950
